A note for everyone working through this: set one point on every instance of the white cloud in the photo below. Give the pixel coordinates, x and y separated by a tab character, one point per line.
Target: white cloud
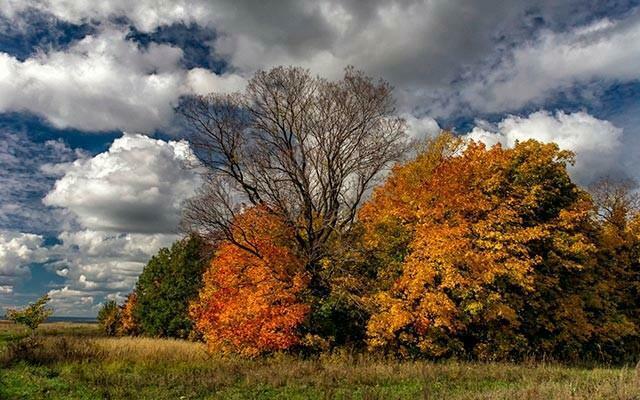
127	203
66	301
421	128
596	143
17	251
201	81
99	265
100	262
103	82
138	185
606	51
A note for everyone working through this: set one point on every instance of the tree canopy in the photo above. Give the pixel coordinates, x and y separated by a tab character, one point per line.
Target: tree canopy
251	301
497	254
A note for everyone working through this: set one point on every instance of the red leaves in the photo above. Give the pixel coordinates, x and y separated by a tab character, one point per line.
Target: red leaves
250	303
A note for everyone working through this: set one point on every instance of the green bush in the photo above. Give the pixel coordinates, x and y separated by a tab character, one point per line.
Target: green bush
32	315
167	284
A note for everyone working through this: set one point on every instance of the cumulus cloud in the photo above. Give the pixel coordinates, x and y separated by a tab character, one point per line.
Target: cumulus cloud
424	48
66	301
17	251
595	142
421	127
138	185
605	50
103	82
98	263
126	203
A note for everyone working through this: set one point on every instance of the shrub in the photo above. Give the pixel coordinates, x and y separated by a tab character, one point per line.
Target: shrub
498	257
32	315
109	318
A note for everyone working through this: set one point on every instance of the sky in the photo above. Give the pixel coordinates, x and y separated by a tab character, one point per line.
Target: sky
92	155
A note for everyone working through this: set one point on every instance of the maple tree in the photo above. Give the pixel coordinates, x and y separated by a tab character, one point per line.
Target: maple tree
481	230
250	302
302	148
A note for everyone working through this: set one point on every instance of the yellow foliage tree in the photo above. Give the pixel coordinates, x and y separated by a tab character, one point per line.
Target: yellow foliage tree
482	229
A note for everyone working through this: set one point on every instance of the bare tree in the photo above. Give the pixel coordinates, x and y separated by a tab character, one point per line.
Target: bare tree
616	200
305	148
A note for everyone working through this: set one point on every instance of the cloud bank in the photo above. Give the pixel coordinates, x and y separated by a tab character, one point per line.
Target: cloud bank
125	204
596	143
444	57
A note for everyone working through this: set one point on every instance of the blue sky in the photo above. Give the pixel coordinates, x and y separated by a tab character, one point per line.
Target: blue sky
83	204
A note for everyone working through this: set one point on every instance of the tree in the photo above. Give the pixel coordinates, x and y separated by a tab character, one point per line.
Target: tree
302	148
32	315
129	324
250	301
617	281
109	317
493	247
616	202
168	282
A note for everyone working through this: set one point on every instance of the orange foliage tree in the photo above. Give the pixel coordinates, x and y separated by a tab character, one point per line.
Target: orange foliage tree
128	322
479	246
250	300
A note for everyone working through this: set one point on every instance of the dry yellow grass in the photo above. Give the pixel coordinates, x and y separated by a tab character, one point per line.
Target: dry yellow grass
149	349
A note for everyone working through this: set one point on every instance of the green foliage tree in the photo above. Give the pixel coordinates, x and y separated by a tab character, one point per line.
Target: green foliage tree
32	315
169	281
109	317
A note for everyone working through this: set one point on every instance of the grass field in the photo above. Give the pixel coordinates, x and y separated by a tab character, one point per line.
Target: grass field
74	361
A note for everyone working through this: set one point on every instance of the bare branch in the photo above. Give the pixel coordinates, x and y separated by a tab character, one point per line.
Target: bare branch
307	149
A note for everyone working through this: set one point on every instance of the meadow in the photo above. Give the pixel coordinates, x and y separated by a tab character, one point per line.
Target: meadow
75	361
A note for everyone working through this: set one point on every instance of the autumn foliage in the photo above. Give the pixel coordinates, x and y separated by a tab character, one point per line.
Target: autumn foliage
250	302
129	324
488	253
465	250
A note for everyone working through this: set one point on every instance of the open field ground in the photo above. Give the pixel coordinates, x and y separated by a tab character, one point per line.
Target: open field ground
74	361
